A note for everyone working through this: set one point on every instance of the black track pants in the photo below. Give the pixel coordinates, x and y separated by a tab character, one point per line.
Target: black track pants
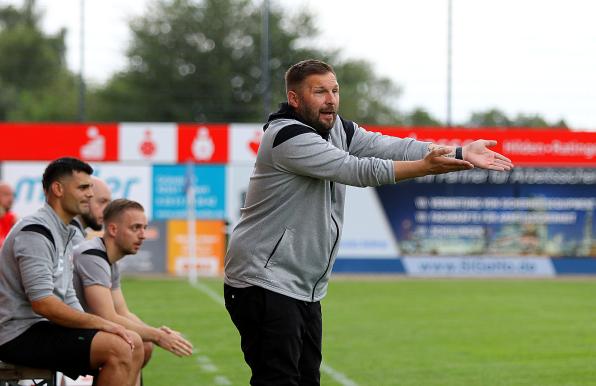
280	336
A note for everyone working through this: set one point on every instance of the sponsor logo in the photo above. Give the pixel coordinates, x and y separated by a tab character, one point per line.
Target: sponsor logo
95	148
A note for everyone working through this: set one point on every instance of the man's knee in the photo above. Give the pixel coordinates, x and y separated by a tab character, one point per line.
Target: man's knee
138	352
148	348
110	350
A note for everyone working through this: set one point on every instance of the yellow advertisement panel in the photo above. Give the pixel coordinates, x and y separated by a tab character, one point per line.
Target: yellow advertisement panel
209	247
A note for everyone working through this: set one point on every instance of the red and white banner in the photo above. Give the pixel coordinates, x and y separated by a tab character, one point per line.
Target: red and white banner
525	147
245	139
153	142
203	143
238	143
48	141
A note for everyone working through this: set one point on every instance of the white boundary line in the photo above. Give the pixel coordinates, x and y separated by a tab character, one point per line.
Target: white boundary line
217	298
208	367
337	376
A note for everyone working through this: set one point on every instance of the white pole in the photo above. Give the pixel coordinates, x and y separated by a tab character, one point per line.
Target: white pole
449	121
82	65
192	235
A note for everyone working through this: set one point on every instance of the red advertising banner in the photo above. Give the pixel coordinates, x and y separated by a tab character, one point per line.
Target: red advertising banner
525	147
48	141
203	143
214	143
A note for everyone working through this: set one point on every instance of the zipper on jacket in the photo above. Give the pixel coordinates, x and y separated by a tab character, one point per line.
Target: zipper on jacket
329	261
332	192
275	248
70	237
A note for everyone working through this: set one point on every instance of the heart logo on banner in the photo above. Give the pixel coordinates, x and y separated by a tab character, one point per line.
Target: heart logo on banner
255	142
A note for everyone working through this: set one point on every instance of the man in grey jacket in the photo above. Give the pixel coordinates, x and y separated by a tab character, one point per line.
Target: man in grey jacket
282	250
42	323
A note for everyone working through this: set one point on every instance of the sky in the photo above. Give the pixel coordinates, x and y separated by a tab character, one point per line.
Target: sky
521	56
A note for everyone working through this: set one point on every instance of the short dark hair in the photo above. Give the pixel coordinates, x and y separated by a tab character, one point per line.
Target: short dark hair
116	207
61	167
299	71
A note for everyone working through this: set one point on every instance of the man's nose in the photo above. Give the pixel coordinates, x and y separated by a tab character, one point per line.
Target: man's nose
330	98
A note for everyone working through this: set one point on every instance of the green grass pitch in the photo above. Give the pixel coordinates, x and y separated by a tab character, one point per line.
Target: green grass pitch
397	332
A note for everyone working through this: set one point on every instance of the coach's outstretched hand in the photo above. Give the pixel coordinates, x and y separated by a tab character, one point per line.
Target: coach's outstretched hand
479	154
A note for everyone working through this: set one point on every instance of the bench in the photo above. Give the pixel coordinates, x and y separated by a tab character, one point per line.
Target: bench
10	374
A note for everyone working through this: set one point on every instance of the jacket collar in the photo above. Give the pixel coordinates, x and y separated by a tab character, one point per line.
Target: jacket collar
76	222
287	112
54	220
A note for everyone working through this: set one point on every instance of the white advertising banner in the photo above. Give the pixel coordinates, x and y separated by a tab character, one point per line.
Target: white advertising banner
127	181
366	232
244	141
152	142
132	182
237	177
478	266
25	178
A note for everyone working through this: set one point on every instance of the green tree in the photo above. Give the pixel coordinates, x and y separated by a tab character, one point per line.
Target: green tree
535	120
490	118
365	97
527	120
497	118
34	81
192	60
421	117
55	101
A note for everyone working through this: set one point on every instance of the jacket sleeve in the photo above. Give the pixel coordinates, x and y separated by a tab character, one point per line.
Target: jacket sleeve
369	144
33	253
310	155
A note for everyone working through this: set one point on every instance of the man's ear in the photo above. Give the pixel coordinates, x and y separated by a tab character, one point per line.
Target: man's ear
111	228
293	99
57	189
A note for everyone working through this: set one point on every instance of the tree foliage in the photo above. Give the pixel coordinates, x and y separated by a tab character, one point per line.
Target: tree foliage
421	117
497	118
201	61
196	60
34	81
366	97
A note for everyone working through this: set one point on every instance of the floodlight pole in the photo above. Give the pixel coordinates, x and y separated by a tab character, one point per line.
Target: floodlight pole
82	65
448	121
265	76
193	273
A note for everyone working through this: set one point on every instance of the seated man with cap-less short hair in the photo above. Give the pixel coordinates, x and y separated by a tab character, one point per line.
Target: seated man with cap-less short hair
42	323
97	276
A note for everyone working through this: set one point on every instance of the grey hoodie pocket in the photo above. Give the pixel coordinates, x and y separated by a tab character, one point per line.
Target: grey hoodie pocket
283	244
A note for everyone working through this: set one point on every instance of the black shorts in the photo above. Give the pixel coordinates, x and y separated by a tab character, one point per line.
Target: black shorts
49	346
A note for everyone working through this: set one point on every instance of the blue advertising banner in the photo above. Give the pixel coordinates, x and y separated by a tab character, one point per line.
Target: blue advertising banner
526	212
170	184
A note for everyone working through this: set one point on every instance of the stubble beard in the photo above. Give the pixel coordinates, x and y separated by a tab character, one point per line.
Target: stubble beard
91	222
311	118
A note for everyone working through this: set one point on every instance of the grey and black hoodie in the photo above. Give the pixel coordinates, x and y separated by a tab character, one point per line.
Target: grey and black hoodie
289	230
35	262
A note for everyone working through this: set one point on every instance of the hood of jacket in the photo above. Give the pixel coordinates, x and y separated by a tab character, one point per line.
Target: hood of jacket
288	112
